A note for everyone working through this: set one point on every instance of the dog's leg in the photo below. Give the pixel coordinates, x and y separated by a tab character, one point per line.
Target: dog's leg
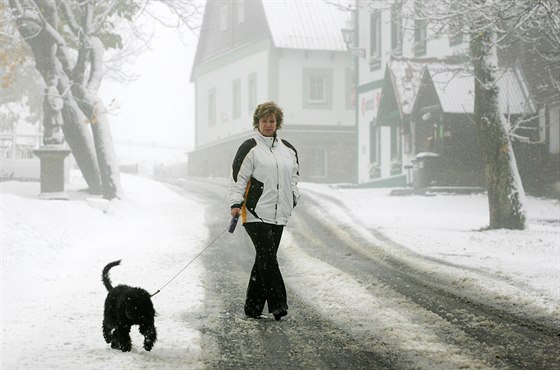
121	339
150	335
107	332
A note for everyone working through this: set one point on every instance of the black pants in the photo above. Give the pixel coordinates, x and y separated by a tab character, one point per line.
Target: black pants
266	283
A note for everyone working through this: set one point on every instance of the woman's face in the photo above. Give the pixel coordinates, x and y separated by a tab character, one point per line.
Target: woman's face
267	125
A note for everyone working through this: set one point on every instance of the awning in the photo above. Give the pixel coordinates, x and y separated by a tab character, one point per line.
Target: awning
410	85
454	87
400	87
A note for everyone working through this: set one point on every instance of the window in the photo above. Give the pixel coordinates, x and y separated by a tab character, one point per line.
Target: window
396	157
211	107
318	162
420	34
455	32
374	151
420	39
375	41
554	128
350	90
317	88
241	11
396	30
252	90
455	27
224	18
236	99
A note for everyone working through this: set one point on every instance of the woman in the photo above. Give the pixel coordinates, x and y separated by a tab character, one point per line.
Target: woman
263	191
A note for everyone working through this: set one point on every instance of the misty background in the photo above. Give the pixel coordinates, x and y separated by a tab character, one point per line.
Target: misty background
157	107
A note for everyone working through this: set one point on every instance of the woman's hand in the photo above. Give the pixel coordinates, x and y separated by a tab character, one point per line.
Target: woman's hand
235	212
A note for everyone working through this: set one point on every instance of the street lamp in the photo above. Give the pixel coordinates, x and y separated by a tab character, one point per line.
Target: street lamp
349	37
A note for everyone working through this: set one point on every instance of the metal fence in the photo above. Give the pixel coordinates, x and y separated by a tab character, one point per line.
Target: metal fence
19	146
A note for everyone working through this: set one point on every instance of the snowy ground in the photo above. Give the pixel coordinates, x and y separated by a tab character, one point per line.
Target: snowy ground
523	266
53	253
52	256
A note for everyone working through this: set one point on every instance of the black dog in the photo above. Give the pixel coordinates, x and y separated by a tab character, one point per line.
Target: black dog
126	306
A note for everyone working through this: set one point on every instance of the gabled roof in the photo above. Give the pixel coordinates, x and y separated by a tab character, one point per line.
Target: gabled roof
451	85
309	24
289	24
406	77
455	89
402	81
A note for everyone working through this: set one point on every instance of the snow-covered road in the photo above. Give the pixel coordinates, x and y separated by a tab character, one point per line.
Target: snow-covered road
405	311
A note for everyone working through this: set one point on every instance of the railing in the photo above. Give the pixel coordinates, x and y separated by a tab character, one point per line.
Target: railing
18	145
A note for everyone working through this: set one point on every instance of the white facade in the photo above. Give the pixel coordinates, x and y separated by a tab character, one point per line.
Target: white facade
283	51
272	75
294	69
373	141
377	36
219	122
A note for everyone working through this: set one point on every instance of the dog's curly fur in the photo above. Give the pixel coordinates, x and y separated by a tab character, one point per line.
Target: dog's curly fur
126	306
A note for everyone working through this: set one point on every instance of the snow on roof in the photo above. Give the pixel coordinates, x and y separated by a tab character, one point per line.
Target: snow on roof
406	77
455	89
311	24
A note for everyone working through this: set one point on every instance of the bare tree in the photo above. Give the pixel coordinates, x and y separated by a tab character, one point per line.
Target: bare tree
488	25
68	40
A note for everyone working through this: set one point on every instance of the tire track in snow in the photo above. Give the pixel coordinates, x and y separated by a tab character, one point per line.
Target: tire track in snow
404	334
496	334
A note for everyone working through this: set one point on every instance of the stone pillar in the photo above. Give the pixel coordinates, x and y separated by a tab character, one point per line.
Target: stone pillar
52	171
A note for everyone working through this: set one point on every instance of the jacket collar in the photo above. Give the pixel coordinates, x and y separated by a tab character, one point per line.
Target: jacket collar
270	142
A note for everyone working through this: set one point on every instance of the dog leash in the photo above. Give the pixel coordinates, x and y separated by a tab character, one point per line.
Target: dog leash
230	228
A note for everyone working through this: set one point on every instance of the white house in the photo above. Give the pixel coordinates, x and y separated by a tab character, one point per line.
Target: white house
386	149
412	99
291	52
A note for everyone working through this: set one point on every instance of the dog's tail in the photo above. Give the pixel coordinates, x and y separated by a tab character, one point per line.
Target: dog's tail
105	275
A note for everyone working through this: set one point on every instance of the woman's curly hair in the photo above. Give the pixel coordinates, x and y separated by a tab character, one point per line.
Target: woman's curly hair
265	110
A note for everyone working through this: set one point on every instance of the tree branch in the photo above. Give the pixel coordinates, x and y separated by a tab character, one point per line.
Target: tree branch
100	19
96	70
68	14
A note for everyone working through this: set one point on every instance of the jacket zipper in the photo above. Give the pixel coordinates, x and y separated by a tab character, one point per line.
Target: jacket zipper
277	181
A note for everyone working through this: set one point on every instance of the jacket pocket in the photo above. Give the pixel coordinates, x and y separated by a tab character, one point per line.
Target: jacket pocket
254	193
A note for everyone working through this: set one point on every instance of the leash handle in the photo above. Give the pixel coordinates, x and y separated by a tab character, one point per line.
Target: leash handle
233	223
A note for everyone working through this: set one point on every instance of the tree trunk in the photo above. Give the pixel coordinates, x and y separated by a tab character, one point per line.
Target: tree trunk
71	95
506	196
91	50
80	140
66	117
106	156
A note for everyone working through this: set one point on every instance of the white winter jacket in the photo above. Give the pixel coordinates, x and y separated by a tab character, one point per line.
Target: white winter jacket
264	178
